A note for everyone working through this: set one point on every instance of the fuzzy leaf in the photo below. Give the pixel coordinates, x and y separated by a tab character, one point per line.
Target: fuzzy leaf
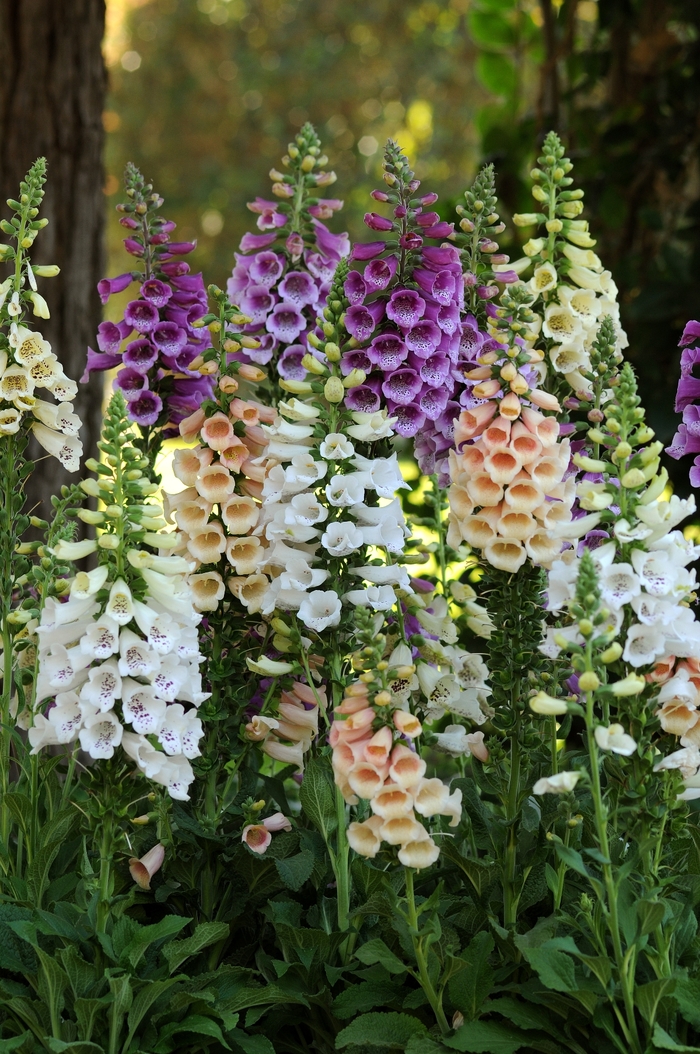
175	952
687	995
376	951
295	870
651	914
647	996
468	989
8	1045
317	796
555	969
487	1037
252	1044
662	1041
358	998
390	1030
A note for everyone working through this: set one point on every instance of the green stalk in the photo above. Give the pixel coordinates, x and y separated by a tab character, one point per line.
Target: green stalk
106	849
600	812
425	982
510	897
7	463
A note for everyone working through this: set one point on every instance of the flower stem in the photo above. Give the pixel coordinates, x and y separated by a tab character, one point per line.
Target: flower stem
424	979
105	892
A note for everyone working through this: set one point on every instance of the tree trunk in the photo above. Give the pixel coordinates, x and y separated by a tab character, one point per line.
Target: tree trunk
52	89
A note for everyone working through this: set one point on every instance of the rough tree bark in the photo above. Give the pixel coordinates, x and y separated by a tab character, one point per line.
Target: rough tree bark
52	90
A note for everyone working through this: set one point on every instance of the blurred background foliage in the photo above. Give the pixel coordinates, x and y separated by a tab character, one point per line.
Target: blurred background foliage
205	94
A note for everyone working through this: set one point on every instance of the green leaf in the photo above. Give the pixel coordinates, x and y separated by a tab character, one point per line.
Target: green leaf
687	995
358	998
53	982
487	1037
555	969
317	796
571	858
662	1041
376	951
648	996
380	1030
148	935
38	873
8	1045
81	974
496	73
252	1044
420	1044
145	998
260	995
15	954
86	1011
175	952
651	914
468	989
74	1047
295	870
201	1026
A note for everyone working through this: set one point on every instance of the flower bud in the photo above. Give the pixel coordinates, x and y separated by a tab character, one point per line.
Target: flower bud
527	219
612	653
554	226
332	351
354	378
312	365
539	194
108	541
46	270
88	516
632	684
333	390
632	479
589	681
547	705
302	387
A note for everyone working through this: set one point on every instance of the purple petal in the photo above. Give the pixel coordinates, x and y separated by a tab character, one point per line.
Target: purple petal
387	351
405	307
169	337
141	315
333	245
367	250
145	408
688	392
690	333
402	386
98	363
359	322
298	288
408	419
355	288
156	292
140	355
362	398
250	242
107	286
289	364
423	338
379	273
355	360
109	337
265	268
285	322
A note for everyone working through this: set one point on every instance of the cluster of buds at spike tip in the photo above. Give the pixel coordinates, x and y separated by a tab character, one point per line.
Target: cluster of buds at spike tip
375	759
573	290
282	275
27	362
119	662
157	341
479	226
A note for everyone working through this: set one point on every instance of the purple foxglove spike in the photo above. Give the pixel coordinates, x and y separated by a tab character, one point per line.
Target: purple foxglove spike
446	316
423	338
363	398
691	419
133	247
257	302
140	355
285	322
435	370
387	351
181	248
145	409
167	226
439	257
379	273
355	360
265	268
169	338
428	199
193	389
405	308
491	310
399	212
185	299
440	286
298	288
471	339
132	383
359	322
336	246
367	250
507	277
107	286
109	337
130	223
424	451
175	268
289	364
327	206
158	239
410	240
156	292
690	333
428	219
695	474
433	401
379	195
238	281
195	313
486	292
141	315
251	242
440	230
688	392
689	357
409	419
412	187
295	245
321	267
402	387
375	222
355	288
97	362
